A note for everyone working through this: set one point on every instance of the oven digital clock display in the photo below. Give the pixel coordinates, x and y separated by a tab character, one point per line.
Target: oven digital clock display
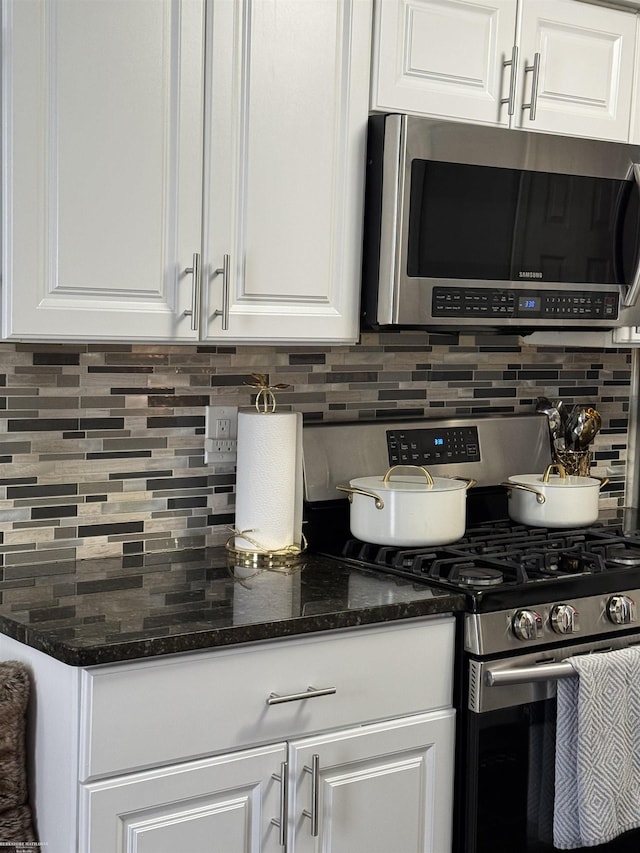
433	447
529	303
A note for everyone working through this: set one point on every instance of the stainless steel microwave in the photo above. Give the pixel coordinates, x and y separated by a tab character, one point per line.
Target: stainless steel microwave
467	225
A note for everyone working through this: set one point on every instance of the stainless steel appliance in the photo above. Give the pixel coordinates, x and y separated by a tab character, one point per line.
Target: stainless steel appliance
478	226
533	597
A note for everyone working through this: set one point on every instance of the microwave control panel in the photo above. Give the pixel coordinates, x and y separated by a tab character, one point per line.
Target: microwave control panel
478	302
433	446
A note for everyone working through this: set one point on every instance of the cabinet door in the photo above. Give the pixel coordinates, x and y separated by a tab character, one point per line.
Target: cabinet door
221	804
378	788
586	68
444	58
288	105
102	181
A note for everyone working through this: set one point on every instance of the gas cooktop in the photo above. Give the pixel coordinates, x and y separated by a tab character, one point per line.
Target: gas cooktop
502	564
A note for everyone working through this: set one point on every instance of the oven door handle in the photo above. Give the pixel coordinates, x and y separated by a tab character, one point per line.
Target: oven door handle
527	674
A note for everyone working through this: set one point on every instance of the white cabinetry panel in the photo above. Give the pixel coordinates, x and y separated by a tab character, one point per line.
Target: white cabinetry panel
131	708
484	60
103	167
105	182
224	803
288	109
586	68
442	57
380	788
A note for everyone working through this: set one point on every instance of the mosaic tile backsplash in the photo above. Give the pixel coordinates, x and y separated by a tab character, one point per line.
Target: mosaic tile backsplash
102	451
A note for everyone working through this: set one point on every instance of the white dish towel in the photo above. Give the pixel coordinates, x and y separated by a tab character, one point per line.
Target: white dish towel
597	788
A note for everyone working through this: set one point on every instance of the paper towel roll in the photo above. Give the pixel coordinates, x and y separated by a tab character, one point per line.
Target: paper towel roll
269	480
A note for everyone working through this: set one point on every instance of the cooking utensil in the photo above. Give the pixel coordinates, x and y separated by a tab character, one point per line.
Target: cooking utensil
590	428
554	500
546	407
408	511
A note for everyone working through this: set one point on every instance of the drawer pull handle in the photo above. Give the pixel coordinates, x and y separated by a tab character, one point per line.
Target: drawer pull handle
315	794
309	693
281	821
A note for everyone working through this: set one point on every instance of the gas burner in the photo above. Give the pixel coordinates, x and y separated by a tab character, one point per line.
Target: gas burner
472	575
621	556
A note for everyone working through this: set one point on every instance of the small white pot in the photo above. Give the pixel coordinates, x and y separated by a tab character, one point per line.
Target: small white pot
410	511
554	500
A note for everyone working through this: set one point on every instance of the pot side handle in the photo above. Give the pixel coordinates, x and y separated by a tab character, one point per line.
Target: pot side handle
351	492
470	482
539	496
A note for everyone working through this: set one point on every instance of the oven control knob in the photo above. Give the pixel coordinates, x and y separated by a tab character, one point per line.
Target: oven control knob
621	609
527	625
564	619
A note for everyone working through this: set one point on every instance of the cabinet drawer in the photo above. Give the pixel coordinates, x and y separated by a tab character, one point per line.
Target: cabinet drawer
158	711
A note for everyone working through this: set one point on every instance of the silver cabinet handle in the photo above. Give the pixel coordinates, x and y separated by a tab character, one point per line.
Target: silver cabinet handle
315	794
633	291
281	821
531	106
194	271
224	312
511	99
309	693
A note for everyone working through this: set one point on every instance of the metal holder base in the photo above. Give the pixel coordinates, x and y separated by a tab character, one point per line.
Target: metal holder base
262	556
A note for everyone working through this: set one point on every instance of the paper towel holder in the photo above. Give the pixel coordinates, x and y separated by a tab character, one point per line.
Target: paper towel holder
262	556
265	396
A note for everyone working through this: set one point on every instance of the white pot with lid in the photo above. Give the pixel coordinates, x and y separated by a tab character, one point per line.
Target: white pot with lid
407	511
554	500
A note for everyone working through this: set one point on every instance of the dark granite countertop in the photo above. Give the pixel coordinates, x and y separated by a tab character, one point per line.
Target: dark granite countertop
116	609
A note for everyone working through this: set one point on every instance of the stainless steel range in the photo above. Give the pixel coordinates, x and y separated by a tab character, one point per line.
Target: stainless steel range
534	597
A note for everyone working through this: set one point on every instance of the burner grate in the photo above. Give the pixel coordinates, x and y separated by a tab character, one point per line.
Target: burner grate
507	555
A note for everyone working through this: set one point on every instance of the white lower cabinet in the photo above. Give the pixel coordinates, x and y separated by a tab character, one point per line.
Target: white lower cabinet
337	741
223	803
374	789
370	789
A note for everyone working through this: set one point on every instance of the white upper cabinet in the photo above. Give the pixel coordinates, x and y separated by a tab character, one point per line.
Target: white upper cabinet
166	160
585	60
288	105
442	57
560	66
102	167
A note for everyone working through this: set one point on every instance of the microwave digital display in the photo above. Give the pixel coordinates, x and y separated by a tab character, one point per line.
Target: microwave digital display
529	303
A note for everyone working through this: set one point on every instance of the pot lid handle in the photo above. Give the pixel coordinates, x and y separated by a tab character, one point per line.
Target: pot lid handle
393	468
559	467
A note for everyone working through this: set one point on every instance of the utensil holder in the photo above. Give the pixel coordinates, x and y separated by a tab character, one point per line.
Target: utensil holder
576	463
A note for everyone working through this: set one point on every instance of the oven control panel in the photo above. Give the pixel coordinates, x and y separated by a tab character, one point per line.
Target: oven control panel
433	446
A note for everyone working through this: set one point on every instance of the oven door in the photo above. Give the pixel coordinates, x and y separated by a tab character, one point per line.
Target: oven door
505	773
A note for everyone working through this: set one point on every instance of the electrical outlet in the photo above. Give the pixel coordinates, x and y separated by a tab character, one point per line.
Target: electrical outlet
221	430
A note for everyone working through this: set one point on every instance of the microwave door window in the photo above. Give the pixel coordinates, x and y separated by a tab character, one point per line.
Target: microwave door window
489	223
565	229
461	221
